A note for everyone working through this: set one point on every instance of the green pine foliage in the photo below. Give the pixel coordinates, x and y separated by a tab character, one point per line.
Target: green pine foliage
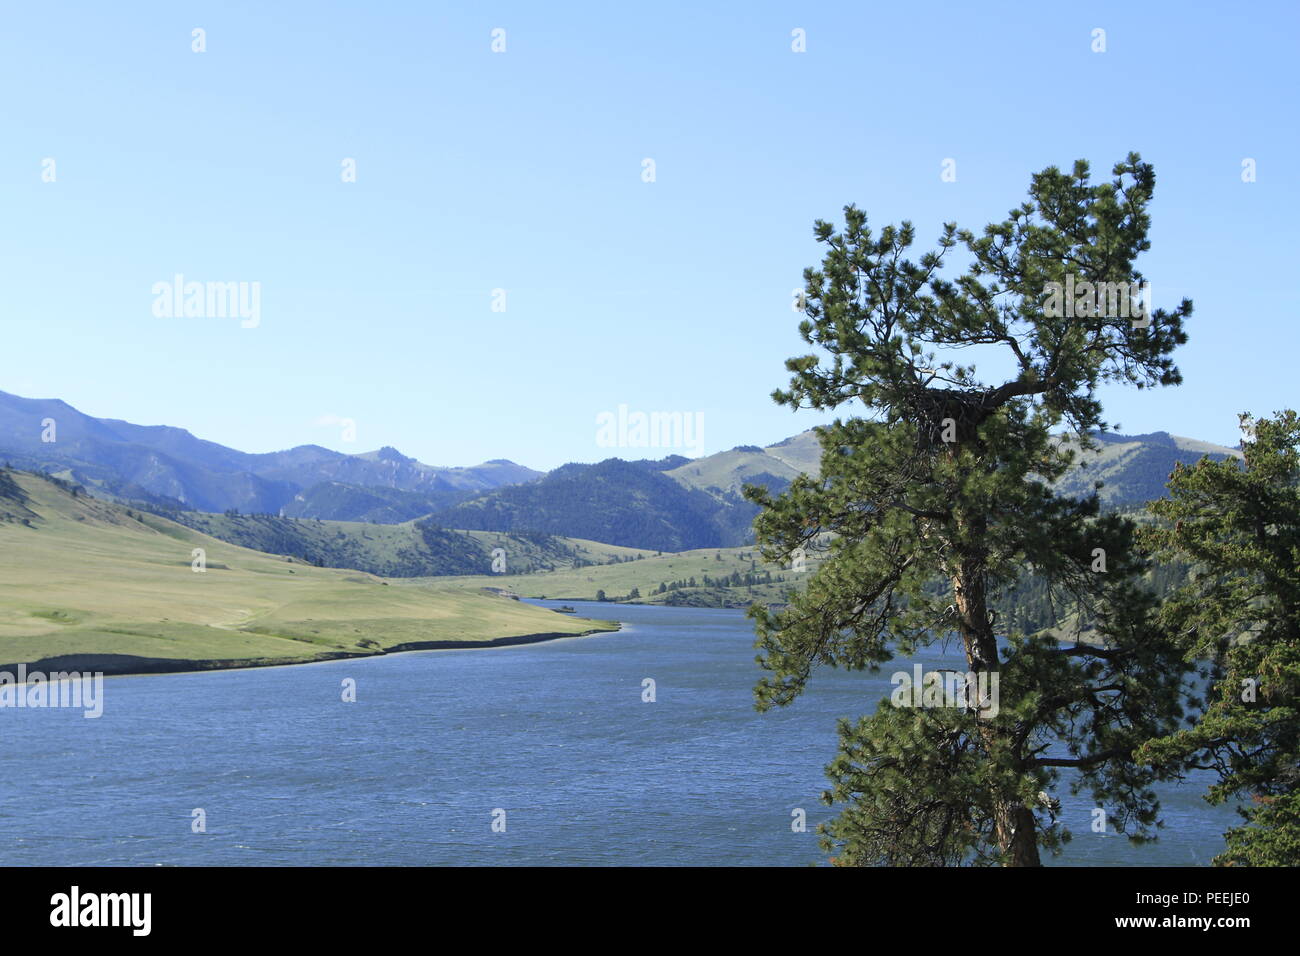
1239	524
946	477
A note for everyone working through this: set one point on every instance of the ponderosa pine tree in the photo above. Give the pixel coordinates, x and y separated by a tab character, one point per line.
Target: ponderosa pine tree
937	498
1239	525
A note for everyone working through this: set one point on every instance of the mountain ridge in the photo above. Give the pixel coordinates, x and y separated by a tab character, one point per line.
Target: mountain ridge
123	460
671	504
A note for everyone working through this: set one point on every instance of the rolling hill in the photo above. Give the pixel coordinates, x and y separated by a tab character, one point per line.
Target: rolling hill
709	577
1134	468
634	504
89	584
410	549
338	501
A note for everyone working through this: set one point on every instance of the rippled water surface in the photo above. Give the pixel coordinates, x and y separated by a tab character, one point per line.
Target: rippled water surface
556	734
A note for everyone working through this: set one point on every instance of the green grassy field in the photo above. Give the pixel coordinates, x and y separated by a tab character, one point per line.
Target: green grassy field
618	580
522	555
81	577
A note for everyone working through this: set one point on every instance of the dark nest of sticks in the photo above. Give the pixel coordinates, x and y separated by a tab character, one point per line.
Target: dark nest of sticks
941	413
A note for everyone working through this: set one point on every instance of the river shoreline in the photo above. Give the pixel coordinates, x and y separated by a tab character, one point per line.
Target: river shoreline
129	665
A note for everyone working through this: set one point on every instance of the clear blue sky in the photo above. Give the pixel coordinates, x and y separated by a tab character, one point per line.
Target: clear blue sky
523	170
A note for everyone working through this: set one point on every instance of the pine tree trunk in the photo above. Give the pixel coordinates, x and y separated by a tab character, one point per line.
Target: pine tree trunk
1016	835
1014	822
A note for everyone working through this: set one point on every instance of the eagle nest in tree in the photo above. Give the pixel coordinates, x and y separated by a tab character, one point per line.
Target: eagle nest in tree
946	413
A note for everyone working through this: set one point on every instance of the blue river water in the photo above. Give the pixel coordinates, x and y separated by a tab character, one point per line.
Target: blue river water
556	735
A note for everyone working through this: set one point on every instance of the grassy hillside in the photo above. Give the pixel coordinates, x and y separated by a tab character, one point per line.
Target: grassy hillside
1133	468
114	588
802	452
411	549
720	578
729	471
341	502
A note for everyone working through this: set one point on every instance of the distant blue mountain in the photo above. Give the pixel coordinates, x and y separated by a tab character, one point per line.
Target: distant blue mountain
168	465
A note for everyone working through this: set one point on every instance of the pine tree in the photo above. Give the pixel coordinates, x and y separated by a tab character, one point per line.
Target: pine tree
938	500
1239	524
